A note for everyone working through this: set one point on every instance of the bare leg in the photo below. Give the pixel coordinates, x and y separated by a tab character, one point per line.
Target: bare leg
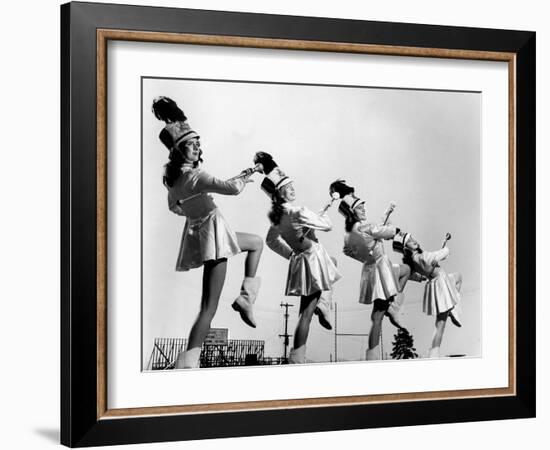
253	245
307	307
456	313
404	274
378	311
213	279
440	322
396	302
324	305
243	304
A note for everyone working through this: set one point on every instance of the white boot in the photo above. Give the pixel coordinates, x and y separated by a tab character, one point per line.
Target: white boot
455	314
323	309
373	354
189	359
297	355
243	303
394	310
434	352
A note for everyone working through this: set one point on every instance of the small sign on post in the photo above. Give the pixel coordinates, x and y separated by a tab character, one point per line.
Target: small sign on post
217	336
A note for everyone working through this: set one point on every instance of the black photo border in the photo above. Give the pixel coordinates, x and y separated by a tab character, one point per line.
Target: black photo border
85	420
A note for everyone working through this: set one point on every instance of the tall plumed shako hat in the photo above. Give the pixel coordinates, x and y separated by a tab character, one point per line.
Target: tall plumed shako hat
167	110
275	178
339	189
175	133
400	241
177	129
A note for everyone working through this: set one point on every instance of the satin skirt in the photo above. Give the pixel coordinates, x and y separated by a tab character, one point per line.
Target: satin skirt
311	271
205	239
379	281
441	294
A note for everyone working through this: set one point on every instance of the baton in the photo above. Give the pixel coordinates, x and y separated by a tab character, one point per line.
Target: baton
244	173
388	211
323	211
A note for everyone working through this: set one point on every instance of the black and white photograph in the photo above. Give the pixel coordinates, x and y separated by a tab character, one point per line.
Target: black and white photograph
276	224
288	223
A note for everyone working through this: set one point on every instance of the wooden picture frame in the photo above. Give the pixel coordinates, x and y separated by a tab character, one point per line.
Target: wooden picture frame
86	418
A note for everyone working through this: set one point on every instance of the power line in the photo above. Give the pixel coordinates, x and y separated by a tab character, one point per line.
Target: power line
336	334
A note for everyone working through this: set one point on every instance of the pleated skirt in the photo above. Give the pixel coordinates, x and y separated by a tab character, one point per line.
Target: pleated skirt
205	239
441	294
311	271
379	281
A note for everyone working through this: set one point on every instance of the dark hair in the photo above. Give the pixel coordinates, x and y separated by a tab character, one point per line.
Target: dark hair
350	222
407	258
341	188
167	110
277	209
172	170
349	216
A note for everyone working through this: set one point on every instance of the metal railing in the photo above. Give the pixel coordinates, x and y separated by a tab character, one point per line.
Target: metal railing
237	352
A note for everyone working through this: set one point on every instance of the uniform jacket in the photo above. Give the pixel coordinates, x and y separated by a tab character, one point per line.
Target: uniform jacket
364	241
195	184
295	233
427	263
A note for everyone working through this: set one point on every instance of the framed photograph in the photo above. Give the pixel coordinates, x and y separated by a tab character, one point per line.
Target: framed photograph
277	224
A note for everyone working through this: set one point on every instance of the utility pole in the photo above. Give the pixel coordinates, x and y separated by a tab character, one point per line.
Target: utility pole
286	335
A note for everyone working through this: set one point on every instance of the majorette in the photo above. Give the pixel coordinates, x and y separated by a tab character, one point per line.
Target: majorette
381	281
442	290
311	271
207	238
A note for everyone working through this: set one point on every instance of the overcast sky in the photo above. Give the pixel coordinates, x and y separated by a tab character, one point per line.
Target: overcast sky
420	149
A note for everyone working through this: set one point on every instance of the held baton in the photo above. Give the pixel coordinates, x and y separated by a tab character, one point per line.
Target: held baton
388	212
247	172
447	238
323	211
244	173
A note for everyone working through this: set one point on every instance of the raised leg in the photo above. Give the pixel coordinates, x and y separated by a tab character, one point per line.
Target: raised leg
458	281
243	304
253	245
404	274
323	309
324	305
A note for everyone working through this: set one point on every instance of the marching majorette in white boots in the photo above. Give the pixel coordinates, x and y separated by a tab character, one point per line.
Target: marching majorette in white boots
207	240
381	281
442	290
311	271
